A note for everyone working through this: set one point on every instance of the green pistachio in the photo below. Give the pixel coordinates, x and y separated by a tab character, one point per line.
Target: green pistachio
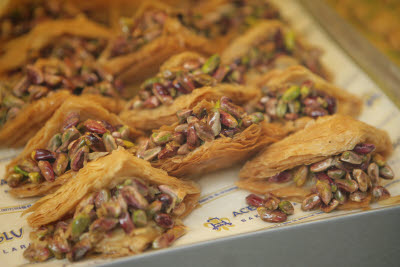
211	64
290	41
281	109
304	91
34	177
79	225
139	218
291	93
17	169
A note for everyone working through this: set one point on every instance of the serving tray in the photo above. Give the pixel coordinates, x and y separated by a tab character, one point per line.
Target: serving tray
224	231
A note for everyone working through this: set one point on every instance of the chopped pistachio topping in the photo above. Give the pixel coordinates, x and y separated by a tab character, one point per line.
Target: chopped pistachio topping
70	149
223	119
295	101
349	176
102	215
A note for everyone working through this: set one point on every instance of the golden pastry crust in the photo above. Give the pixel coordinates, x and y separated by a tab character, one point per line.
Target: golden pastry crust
275	80
178	61
222	152
87	110
328	136
347	103
149	119
106	172
287	190
18	131
17	52
144	62
255	36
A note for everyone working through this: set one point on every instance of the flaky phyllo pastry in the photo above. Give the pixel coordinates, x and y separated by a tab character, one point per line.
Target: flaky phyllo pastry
116	206
147	39
55	38
32	100
18	17
295	96
222	20
182	82
268	45
208	137
336	162
80	131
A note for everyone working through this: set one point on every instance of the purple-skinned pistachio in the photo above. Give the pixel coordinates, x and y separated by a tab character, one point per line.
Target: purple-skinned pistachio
324	191
152	153
228	120
94	142
103	224
362	179
109	142
161	138
231	108
133	197
46	170
166	239
164	220
192	138
95	126
273	216
380	193
43	154
184	114
183	150
71	120
79	158
351	157
61	164
364	148
203	131
322	165
311	202
214	121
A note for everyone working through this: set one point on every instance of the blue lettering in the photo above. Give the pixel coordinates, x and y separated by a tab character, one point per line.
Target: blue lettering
22	247
3	182
251	208
236	213
242	210
14	249
5	251
7	238
20	233
243	220
250	218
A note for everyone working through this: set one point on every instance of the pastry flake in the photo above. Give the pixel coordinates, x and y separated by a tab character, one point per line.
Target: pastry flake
116	206
29	47
336	162
269	45
295	96
39	92
208	137
183	81
79	132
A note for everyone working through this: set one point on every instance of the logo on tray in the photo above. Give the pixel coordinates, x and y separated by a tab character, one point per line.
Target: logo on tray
218	224
11	235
